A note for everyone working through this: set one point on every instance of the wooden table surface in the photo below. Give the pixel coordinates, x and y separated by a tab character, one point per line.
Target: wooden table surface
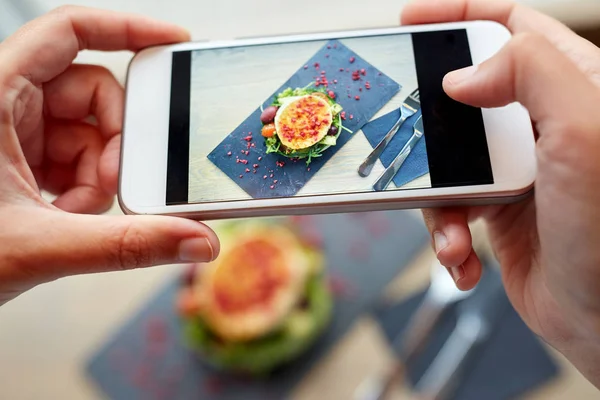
47	334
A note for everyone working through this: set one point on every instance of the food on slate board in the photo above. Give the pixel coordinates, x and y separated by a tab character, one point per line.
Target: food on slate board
302	123
261	304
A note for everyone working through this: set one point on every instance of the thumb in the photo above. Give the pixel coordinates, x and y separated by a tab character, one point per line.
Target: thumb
49	244
531	71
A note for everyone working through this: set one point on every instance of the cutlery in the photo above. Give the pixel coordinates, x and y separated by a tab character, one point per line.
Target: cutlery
441	294
477	317
386	178
411	105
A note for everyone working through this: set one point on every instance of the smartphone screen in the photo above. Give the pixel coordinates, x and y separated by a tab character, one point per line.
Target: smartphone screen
299	119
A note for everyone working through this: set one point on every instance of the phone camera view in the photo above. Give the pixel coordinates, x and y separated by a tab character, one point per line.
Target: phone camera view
312	118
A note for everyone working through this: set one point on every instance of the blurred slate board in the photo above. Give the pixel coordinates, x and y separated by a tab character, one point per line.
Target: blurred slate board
335	59
145	359
510	363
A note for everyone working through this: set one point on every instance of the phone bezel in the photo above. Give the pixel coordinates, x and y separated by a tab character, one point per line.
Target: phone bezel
142	184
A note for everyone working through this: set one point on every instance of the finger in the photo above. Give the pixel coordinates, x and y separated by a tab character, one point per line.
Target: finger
468	274
452	241
531	71
76	146
84	90
108	167
50	244
46	46
450	234
518	18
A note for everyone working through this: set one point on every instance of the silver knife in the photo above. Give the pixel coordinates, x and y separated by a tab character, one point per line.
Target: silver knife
477	317
386	178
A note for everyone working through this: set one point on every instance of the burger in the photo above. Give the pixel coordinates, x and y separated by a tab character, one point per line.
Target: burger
302	123
261	304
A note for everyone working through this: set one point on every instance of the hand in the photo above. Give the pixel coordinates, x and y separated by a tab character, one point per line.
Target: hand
548	246
49	142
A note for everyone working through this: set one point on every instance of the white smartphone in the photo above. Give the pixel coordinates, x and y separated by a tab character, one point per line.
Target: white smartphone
320	123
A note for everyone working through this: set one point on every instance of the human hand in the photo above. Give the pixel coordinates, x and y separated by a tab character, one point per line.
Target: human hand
48	142
548	245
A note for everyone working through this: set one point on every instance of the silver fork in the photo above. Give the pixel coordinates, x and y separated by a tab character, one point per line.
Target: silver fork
409	108
442	293
386	178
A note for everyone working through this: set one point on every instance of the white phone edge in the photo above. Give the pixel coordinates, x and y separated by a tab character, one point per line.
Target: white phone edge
149	199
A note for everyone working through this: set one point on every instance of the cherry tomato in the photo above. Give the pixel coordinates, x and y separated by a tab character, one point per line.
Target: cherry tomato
268	130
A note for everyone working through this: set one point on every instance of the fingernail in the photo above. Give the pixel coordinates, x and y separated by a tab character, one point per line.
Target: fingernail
440	241
457	273
459	76
196	250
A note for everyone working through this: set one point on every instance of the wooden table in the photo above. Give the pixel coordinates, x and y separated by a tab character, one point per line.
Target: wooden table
47	335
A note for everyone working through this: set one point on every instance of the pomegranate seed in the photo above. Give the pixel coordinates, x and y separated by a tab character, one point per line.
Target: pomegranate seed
272	187
351	116
241	176
331	94
237	161
363	72
357	98
328	46
335	81
271	176
360	89
229	153
341	69
265	177
259	158
306	67
317	65
352	59
255	166
275	181
247	170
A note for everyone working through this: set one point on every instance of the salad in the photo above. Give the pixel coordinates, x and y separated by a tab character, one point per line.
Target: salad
302	123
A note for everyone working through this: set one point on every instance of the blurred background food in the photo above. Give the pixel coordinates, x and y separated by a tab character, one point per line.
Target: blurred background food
261	304
48	334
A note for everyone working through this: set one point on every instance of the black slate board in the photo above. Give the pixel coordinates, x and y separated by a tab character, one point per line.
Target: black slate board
334	59
146	360
510	363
